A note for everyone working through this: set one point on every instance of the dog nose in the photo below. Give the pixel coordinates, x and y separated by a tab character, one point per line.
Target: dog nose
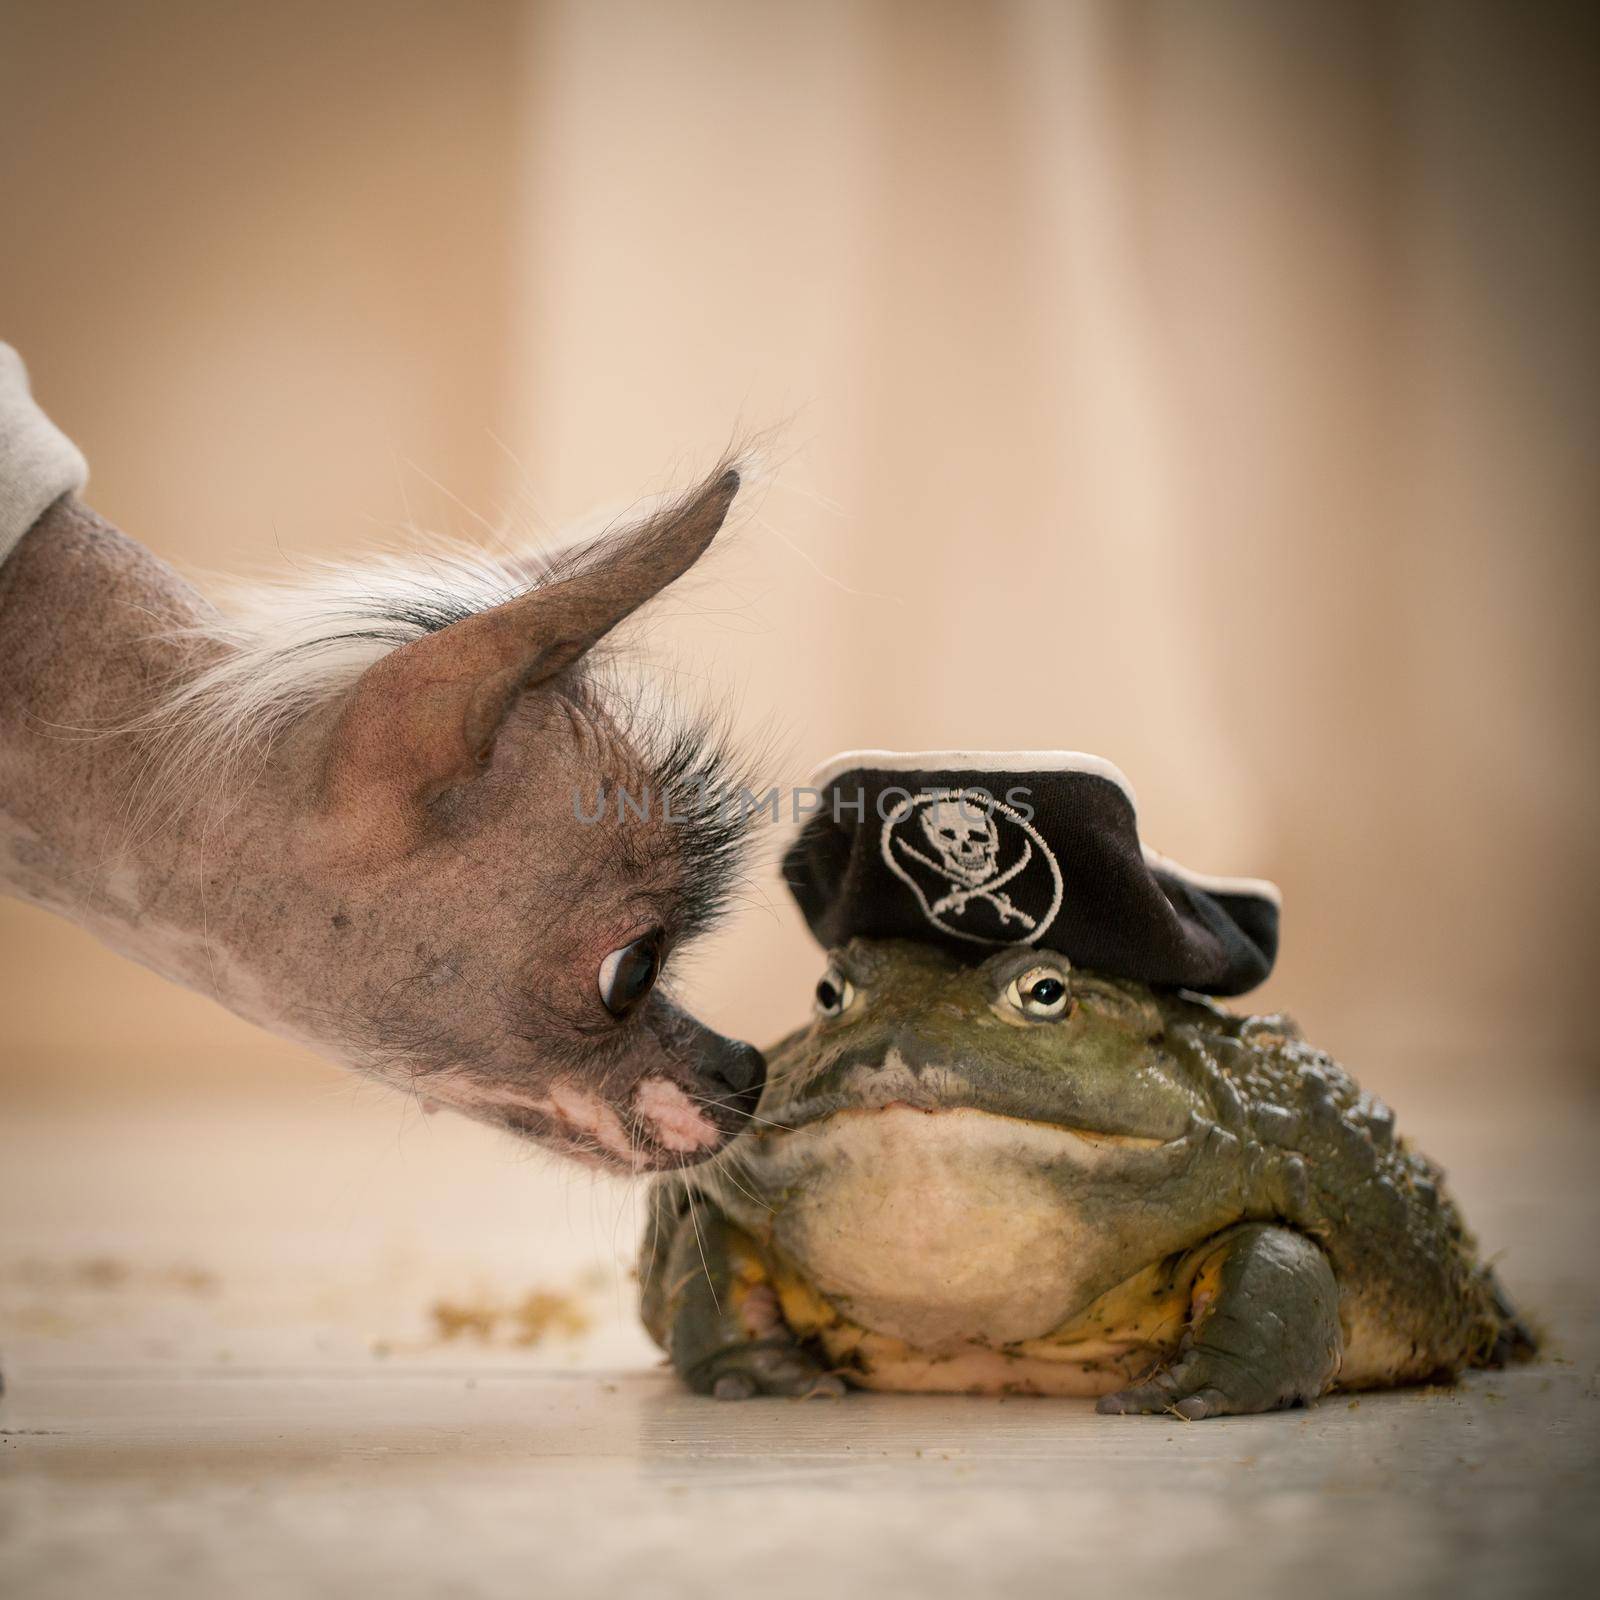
743	1069
733	1072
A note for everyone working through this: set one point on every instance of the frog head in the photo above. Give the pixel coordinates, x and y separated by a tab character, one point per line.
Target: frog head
1023	1034
942	1132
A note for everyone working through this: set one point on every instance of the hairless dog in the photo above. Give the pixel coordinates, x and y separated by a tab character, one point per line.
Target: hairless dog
361	811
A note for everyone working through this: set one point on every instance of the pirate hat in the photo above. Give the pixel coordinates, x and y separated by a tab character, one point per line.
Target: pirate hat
972	850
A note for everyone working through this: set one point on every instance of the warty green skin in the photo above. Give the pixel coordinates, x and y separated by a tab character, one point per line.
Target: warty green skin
1343	1258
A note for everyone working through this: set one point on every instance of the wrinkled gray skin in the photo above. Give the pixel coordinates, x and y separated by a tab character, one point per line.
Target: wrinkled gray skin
1144	1199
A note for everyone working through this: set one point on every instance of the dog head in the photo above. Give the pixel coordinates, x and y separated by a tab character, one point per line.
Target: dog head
508	856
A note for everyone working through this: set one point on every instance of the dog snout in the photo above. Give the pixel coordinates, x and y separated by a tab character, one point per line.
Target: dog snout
723	1077
738	1070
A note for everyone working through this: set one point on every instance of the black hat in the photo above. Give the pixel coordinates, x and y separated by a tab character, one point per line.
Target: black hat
972	850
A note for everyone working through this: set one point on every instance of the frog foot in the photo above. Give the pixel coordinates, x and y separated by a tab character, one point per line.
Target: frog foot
1264	1332
765	1366
1194	1386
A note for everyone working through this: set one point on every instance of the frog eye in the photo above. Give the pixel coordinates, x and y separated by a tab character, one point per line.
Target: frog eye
1041	993
835	992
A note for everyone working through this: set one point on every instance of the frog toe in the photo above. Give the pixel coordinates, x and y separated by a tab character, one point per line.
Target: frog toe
1207	1403
765	1368
1191	1388
1188	1388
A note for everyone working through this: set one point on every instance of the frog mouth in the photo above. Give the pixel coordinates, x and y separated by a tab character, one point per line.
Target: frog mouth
893	1084
952	1138
826	1119
840	1114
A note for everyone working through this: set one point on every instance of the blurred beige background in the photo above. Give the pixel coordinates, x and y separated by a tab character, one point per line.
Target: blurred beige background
1210	387
1210	384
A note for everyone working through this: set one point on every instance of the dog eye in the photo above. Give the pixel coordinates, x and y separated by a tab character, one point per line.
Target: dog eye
834	992
1041	993
628	975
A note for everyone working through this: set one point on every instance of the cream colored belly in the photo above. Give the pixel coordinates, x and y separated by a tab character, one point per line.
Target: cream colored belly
942	1229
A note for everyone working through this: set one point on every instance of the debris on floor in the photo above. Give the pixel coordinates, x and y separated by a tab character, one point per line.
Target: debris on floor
539	1315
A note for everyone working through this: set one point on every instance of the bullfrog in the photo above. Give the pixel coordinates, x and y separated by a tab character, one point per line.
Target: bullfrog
1017	1174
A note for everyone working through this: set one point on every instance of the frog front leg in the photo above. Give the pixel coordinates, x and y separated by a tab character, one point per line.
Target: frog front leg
718	1315
1263	1330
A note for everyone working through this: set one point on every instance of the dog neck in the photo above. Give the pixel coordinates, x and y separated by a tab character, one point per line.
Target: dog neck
94	632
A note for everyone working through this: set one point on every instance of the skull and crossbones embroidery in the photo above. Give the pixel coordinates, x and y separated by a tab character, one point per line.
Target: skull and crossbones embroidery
978	867
961	829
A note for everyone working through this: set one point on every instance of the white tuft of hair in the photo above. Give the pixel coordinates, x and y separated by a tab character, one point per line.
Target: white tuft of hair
275	649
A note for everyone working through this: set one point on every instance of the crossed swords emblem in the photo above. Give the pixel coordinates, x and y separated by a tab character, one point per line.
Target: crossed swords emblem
963	891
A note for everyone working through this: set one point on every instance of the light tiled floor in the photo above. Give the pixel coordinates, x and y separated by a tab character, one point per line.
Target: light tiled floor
224	1377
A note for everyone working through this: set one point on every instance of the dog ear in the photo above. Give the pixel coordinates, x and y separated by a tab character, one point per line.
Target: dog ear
427	715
